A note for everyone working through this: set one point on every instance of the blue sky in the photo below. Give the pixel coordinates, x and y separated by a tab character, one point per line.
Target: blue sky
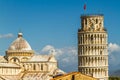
53	22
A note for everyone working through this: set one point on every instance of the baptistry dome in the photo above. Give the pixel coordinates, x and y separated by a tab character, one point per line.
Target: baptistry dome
20	44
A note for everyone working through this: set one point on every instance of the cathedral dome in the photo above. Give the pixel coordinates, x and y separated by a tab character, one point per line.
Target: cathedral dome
20	44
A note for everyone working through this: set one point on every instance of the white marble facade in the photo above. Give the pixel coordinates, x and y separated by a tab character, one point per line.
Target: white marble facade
21	62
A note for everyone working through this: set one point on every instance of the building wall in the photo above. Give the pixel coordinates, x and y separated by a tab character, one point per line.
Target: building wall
35	66
9	71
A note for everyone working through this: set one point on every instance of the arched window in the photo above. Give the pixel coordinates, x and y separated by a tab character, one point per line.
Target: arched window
41	66
73	77
85	21
96	21
34	67
100	52
92	39
24	59
14	59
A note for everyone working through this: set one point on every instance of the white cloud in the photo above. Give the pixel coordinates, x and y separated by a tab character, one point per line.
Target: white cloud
65	55
9	35
113	47
114	53
48	49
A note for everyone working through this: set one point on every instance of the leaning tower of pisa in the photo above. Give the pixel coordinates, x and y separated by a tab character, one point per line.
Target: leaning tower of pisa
92	47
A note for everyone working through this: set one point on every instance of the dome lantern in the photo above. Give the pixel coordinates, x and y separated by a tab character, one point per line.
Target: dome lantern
20	35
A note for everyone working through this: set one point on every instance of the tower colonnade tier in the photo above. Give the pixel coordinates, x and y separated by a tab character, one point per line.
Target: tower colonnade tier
92	47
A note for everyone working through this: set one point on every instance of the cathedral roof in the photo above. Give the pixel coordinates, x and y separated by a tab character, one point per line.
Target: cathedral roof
2	59
8	65
20	44
42	58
